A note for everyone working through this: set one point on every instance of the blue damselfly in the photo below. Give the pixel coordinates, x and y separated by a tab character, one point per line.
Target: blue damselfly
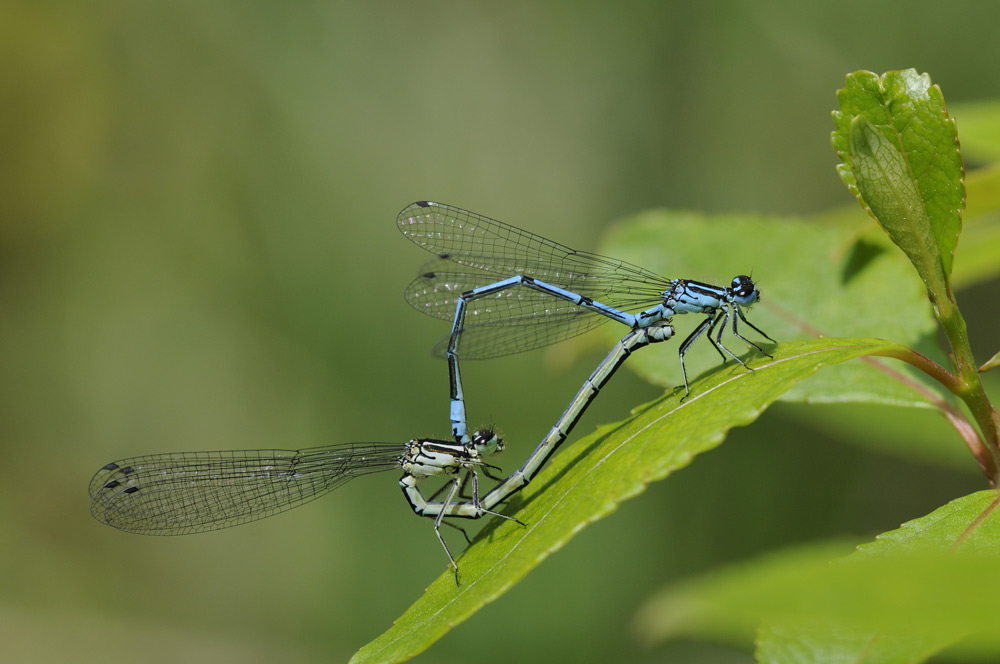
507	290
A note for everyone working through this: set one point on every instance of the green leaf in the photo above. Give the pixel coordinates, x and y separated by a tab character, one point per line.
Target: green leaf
900	159
924	436
783	644
908	594
976	256
891	195
592	476
815	278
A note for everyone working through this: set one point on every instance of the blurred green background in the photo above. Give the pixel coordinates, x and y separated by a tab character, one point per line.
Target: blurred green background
198	252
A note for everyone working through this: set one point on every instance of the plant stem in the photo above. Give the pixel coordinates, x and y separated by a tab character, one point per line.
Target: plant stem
964	428
966	383
970	385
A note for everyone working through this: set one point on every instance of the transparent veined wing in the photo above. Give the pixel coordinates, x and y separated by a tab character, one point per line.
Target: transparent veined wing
187	492
475	251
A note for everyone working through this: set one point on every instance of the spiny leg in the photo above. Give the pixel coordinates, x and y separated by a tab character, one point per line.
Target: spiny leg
465	485
715	321
486	471
444	486
455	487
475	501
718	339
437	525
691	338
462	493
759	331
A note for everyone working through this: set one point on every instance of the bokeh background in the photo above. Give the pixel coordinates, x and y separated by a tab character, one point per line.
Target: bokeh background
197	251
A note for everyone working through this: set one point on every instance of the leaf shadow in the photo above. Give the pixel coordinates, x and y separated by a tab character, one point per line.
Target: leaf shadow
861	254
520	501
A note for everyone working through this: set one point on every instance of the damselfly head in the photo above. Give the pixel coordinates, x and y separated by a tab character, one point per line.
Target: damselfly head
487	442
745	291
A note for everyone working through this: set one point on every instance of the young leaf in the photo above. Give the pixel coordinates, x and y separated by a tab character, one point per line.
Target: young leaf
901	160
991	363
891	196
908	594
813	280
592	476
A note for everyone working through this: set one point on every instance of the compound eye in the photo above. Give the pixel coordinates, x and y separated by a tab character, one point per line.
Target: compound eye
745	290
487	442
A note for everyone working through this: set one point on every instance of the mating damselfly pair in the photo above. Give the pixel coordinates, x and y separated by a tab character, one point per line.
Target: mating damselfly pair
506	291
